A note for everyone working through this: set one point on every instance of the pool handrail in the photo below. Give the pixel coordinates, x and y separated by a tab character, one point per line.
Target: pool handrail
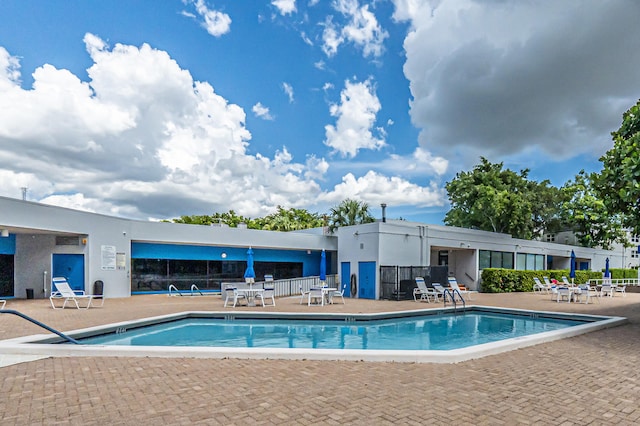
38	323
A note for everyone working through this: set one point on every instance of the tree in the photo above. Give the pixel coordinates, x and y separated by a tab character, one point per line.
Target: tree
618	184
230	218
349	212
587	215
291	220
497	200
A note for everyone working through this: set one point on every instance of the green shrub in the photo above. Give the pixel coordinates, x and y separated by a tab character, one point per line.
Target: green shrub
497	280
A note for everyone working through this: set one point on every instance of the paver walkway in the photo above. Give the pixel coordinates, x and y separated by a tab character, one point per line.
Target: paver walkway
593	379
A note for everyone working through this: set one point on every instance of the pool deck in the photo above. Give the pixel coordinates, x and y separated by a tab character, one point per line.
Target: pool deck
592	379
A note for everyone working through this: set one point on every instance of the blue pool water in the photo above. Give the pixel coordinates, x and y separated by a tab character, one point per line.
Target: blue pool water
430	332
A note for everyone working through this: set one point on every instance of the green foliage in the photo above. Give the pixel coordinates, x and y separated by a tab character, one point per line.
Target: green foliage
619	273
496	280
619	182
349	212
586	214
497	200
281	220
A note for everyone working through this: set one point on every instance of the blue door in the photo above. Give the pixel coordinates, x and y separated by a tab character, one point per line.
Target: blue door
367	278
345	278
70	266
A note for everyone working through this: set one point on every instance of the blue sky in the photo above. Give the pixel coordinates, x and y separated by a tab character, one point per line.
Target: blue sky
155	109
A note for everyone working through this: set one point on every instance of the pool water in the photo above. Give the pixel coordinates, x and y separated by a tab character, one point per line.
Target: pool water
430	332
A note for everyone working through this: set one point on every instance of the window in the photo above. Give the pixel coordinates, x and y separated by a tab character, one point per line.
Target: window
530	262
550	238
495	259
635	239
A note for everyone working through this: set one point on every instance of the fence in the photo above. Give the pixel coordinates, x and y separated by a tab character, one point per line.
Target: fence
398	282
293	286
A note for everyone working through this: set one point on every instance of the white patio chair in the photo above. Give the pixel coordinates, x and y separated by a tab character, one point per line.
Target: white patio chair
423	291
236	295
585	292
453	283
65	292
268	293
606	290
439	291
540	287
338	293
564	293
316	297
621	289
303	294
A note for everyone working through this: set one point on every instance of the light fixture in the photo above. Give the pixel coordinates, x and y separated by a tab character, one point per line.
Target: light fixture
223	255
5	233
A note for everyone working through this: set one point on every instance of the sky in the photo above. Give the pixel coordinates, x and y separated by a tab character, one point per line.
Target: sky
152	110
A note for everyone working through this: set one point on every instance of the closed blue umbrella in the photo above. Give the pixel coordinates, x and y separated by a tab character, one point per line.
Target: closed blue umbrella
572	272
606	268
250	273
323	266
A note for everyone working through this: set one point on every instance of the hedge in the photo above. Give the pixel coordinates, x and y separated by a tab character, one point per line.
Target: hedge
498	280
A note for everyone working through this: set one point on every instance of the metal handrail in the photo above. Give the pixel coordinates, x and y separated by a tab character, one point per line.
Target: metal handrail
452	293
38	323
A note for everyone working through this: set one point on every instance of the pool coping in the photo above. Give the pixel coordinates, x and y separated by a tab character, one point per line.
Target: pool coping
27	345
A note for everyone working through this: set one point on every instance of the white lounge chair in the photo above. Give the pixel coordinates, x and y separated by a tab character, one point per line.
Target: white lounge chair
540	287
423	291
65	292
453	283
439	290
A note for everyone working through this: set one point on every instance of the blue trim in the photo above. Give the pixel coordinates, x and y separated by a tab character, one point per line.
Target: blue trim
8	244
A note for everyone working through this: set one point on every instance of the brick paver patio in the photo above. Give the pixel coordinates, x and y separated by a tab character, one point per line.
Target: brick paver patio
591	379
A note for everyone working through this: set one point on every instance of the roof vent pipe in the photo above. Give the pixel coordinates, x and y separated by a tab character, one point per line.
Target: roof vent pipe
384	212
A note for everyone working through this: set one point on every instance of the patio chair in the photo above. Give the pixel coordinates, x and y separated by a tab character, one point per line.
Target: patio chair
621	289
453	283
423	291
563	293
539	286
65	292
338	293
439	291
566	281
606	290
235	294
268	293
303	294
315	297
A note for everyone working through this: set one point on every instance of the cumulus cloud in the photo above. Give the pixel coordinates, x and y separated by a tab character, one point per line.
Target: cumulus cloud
506	78
288	90
375	188
142	139
356	116
286	7
362	29
215	22
262	111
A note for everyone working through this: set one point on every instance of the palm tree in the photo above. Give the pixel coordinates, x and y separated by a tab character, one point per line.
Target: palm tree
349	212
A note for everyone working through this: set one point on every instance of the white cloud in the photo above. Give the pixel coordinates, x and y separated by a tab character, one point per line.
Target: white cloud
508	78
375	188
216	23
288	90
261	111
362	29
286	7
356	116
319	65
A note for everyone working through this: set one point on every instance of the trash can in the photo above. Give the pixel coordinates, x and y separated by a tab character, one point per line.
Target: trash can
29	293
98	287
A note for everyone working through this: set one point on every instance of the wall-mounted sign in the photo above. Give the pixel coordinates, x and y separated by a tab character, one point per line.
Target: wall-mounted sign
121	261
108	257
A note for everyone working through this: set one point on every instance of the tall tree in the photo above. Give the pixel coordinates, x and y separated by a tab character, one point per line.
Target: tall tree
291	220
493	199
619	181
586	214
349	212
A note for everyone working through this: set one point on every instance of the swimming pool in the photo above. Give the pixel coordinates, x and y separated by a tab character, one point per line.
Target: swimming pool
427	332
443	335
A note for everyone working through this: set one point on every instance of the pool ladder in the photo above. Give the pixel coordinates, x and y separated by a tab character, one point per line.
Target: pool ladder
452	295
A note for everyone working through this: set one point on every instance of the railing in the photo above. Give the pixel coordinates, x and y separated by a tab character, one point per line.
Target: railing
452	294
292	286
616	281
38	323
